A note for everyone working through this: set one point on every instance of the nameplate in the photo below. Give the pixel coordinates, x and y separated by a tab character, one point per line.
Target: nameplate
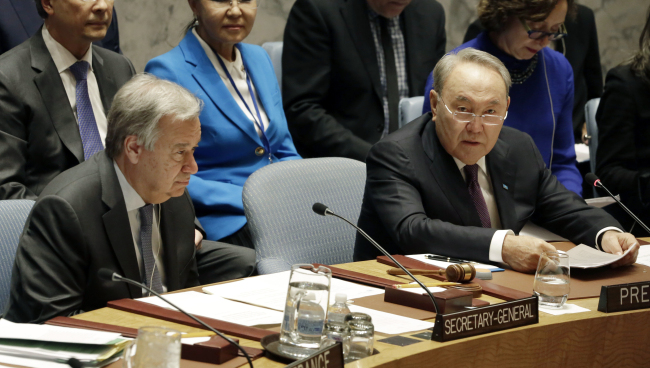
329	357
497	317
624	297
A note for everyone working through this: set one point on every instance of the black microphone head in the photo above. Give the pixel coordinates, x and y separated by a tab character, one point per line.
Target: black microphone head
320	209
105	274
592	178
75	363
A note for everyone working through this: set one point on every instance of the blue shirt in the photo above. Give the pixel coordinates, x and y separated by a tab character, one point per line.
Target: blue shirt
530	108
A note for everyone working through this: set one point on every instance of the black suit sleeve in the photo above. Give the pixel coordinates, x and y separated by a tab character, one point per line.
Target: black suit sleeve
307	55
13	144
592	69
396	196
49	274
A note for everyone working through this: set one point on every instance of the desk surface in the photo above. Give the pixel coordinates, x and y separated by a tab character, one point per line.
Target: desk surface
591	339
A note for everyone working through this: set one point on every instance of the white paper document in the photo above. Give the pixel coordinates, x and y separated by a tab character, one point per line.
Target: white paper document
644	255
270	291
27	331
419	290
566	309
391	324
422	258
34	363
584	256
216	307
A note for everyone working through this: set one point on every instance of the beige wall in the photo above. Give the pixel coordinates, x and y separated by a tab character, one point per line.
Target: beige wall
152	27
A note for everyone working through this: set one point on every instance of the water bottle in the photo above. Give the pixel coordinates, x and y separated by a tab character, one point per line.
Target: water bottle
339	309
310	320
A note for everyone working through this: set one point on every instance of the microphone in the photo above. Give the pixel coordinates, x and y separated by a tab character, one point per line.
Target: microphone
591	177
323	210
108	275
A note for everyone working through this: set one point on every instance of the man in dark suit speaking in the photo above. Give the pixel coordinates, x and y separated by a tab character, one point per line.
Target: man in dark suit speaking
347	63
55	91
456	182
125	209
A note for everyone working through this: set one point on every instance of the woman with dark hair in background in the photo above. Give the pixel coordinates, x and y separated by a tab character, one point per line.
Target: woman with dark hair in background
243	127
517	33
623	117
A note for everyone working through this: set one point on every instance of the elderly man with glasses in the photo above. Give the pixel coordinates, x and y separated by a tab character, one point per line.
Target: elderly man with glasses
456	182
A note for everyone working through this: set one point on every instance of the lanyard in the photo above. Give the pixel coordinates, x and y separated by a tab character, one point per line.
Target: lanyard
258	123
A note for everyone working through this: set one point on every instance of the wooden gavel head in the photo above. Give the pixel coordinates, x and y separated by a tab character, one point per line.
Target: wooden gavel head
460	272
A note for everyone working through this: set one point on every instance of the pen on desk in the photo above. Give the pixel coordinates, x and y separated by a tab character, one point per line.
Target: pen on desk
445	259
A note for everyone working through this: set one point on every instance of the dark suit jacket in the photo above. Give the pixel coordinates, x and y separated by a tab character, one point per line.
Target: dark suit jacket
79	225
39	135
416	200
623	155
330	75
580	47
19	21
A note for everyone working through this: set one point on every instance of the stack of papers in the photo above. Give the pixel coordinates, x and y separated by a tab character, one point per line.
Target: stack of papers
584	256
43	345
644	255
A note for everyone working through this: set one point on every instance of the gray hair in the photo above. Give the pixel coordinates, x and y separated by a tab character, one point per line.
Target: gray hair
469	55
138	107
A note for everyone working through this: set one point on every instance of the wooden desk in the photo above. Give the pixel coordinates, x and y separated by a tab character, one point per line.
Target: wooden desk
590	339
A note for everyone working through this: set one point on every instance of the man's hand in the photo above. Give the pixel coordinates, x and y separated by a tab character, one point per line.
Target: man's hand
198	239
522	252
616	243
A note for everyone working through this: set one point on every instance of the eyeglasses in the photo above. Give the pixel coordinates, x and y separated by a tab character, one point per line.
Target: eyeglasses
552	36
468	117
242	4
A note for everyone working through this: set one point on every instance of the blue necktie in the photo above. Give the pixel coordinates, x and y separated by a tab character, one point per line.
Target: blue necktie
152	276
90	138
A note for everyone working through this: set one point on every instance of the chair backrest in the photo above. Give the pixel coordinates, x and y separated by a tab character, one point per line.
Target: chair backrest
409	109
13	214
274	49
592	129
278	203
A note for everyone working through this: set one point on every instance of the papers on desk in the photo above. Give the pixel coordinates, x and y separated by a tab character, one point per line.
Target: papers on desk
566	309
391	324
422	258
216	307
21	343
584	256
644	255
270	291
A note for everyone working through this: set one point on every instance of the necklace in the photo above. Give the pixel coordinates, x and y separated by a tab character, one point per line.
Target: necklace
519	76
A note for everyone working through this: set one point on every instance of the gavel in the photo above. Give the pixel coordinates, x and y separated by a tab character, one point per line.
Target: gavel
458	272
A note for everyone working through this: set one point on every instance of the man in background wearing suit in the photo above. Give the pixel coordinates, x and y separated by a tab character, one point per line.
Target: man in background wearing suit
19	20
456	182
55	90
347	63
125	209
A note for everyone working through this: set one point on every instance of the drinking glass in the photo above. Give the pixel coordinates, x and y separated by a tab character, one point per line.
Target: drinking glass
552	279
154	347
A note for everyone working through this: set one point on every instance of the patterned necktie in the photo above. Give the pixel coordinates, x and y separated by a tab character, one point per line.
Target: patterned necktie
90	138
392	87
146	250
471	172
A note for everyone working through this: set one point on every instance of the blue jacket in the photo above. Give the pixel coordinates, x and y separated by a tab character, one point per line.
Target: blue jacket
530	109
226	154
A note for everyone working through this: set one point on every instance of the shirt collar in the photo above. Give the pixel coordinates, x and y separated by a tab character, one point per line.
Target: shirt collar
131	197
235	68
63	58
480	162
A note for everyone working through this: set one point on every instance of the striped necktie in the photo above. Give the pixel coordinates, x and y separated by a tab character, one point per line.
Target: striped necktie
152	276
90	138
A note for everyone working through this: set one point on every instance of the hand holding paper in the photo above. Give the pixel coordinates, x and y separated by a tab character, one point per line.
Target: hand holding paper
615	242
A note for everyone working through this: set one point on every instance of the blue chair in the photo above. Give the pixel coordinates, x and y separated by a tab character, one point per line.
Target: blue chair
274	49
13	214
410	109
592	130
278	201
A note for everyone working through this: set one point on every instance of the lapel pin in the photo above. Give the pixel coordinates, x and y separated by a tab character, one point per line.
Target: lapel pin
505	187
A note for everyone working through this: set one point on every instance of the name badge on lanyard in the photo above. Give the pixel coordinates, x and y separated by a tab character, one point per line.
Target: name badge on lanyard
258	121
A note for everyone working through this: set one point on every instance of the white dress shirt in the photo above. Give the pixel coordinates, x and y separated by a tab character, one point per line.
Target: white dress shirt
238	74
133	203
63	60
496	245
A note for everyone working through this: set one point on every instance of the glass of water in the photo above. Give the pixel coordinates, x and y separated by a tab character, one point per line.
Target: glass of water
154	347
552	279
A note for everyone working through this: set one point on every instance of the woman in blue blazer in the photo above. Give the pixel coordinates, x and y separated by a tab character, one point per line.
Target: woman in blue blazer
242	124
